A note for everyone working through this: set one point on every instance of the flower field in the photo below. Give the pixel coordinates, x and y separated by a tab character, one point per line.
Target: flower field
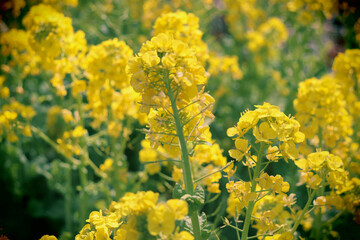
179	120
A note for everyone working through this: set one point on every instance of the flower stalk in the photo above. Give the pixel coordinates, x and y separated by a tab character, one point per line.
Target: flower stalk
188	180
304	211
82	168
250	208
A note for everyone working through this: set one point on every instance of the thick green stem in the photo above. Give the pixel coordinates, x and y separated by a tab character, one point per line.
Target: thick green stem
189	184
304	211
250	208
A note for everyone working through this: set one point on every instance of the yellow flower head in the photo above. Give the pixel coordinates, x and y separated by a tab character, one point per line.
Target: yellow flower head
184	27
162	58
274	126
321	110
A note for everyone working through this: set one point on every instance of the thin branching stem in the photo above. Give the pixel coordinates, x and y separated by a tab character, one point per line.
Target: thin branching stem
208	175
159	161
251	204
304	211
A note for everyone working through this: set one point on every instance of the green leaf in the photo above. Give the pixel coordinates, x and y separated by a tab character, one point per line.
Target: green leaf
187	225
204	227
195	201
199	192
178	191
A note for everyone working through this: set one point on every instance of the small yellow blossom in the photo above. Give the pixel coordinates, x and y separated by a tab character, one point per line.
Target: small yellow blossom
161	220
179	207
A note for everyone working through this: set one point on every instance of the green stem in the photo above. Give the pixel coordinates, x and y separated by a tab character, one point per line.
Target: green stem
68	194
250	208
84	159
71	160
114	152
54	145
212	173
304	211
318	224
189	184
237	228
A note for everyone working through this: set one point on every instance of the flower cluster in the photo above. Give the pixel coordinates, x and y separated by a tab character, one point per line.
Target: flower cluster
269	125
184	27
320	165
328	8
108	92
150	157
165	57
49	41
4	90
137	216
69	144
327	120
105	63
166	72
153	9
15	42
12	118
245	11
261	33
271	215
225	64
321	170
208	159
269	34
264	196
346	68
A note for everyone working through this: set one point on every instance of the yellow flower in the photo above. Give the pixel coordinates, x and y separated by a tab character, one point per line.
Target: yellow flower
321	110
273	153
177	174
214	188
107	165
151	58
226	64
102	232
242	148
78	132
264	132
211	154
169	60
179	207
78	86
146	70
183	235
85	233
184	27
161	220
316	160
234	205
127	231
27	131
114	129
273	125
96	218
148	154
264	181
48	237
